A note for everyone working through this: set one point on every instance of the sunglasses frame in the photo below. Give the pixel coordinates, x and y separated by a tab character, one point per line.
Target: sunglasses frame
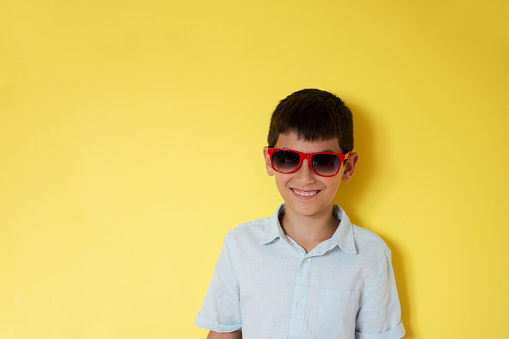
308	156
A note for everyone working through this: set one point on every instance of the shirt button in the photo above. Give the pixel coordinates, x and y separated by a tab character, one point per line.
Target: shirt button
305	260
299	304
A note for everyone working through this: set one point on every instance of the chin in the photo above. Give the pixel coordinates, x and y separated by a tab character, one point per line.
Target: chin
307	208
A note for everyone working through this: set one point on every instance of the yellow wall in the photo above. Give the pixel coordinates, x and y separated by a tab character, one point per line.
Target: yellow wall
131	137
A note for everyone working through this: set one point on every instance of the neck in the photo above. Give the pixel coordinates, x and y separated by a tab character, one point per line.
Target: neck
309	231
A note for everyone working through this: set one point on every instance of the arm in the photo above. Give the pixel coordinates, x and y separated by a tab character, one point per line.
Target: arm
380	312
220	311
228	335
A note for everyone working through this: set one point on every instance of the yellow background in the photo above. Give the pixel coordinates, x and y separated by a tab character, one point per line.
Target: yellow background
131	137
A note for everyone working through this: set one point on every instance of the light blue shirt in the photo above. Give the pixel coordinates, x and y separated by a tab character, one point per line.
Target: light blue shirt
267	285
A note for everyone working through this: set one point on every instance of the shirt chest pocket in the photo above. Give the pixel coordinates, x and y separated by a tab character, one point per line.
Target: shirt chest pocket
337	313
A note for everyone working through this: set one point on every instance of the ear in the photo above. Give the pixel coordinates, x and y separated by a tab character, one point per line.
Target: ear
268	166
350	167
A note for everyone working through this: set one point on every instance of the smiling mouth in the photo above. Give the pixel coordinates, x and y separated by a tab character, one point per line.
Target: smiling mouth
305	193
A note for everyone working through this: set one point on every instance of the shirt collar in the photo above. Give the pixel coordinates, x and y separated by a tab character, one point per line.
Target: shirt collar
343	235
273	228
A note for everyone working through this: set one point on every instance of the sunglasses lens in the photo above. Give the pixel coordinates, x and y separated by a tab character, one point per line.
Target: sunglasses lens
325	164
285	161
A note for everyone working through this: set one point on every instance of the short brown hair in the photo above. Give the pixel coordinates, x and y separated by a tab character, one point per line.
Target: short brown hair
314	115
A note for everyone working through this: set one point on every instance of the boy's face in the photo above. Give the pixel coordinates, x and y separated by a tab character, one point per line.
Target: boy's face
304	192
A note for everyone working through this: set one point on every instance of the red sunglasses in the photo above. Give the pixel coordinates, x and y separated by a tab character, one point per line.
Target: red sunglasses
324	164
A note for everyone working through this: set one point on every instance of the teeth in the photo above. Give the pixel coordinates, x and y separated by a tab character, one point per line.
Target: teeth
305	194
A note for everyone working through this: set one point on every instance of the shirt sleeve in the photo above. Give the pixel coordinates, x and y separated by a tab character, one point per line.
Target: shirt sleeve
379	316
220	311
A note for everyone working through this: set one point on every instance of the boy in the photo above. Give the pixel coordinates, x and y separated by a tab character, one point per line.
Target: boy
305	272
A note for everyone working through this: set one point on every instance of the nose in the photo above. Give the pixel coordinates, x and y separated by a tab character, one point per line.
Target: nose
305	173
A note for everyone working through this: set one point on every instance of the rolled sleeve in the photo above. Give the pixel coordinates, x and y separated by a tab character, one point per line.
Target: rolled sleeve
379	316
395	333
220	311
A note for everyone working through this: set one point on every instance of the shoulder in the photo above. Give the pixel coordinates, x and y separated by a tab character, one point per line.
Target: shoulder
251	231
249	227
257	231
373	255
369	243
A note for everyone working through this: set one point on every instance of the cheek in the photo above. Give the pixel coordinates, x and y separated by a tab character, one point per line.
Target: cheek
333	184
281	181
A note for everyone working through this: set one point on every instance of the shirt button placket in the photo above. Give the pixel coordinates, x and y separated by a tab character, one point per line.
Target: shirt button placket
297	319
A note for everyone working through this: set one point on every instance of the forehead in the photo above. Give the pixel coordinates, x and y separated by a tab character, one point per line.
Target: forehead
293	141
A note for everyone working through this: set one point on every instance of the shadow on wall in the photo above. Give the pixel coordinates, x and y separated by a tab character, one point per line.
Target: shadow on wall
352	194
